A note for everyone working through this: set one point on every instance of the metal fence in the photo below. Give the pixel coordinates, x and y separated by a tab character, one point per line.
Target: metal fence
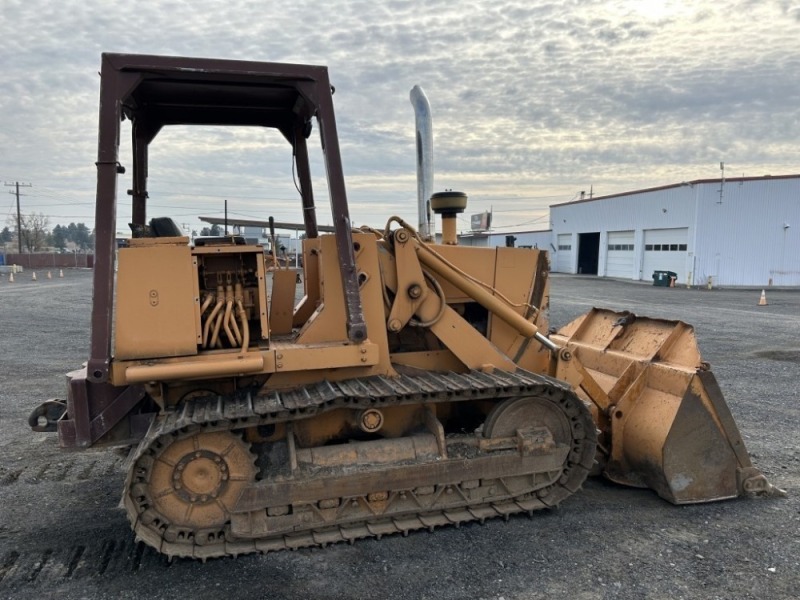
53	260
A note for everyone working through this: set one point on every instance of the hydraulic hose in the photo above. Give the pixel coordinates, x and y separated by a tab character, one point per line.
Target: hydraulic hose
228	312
238	298
210	321
215	341
245	326
210	297
207	302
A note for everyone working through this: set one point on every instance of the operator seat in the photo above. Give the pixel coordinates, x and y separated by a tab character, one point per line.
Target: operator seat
158	227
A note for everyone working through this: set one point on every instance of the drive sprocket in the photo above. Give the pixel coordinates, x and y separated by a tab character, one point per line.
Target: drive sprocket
185	486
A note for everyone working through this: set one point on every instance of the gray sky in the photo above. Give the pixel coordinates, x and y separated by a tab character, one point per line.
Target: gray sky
532	101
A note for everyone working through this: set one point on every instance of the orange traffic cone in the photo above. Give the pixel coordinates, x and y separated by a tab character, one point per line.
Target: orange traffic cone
49	275
34	276
763	300
61	273
11	277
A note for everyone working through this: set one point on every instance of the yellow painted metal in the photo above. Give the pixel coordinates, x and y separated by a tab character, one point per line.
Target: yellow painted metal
478	263
261	298
281	357
411	290
198	316
197	480
194	370
475	291
443	360
311	283
412	448
320	430
449	231
465	342
398	420
308	357
281	309
521	274
155	313
664	422
225	259
468	344
327	323
150	242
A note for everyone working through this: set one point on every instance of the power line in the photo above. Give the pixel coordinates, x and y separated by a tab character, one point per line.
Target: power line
60	205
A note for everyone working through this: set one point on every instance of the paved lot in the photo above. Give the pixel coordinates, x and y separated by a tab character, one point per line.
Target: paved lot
62	535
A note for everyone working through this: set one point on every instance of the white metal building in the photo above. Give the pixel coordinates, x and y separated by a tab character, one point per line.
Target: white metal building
739	231
522	239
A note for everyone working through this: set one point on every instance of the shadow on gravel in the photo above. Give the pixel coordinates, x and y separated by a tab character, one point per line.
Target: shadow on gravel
792	356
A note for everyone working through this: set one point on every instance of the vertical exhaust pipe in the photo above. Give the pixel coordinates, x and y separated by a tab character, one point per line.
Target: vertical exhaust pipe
424	135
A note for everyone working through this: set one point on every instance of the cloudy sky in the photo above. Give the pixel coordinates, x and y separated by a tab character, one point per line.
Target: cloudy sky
532	101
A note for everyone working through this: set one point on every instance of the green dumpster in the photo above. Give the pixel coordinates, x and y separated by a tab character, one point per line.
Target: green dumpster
663	278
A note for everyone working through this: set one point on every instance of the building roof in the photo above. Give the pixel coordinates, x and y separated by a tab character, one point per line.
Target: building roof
262	224
522	231
677	185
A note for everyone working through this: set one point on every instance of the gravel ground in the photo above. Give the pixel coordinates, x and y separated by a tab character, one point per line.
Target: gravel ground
61	533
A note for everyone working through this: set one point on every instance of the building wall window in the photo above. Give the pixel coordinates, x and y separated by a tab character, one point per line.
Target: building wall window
565	246
664	247
621	247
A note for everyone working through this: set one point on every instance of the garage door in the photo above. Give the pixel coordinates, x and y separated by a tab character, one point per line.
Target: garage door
619	254
564	253
665	250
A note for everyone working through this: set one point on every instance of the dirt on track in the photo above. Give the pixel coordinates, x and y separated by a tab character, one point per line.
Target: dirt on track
62	534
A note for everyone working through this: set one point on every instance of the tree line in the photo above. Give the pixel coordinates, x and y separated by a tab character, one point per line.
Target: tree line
214	230
36	235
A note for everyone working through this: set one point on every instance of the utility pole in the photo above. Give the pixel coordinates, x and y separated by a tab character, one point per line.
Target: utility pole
17	184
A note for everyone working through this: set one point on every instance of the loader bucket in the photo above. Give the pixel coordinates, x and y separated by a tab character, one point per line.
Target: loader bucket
663	420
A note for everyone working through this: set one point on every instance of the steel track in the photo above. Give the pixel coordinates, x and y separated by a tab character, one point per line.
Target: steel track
248	409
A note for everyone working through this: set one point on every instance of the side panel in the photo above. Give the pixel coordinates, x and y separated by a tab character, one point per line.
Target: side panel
522	277
155	307
514	278
477	262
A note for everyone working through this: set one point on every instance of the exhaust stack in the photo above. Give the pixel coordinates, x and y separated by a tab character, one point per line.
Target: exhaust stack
424	136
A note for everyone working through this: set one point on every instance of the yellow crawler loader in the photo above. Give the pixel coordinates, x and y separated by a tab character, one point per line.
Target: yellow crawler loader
413	386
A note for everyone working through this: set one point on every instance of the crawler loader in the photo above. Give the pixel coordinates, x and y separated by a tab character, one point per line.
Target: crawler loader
414	385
